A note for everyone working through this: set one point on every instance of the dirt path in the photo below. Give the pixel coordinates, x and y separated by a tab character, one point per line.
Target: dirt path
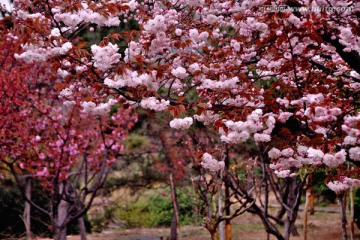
323	225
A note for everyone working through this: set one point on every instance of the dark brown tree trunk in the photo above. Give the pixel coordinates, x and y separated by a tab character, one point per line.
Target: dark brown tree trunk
228	228
342	201
60	233
269	226
173	228
292	208
175	218
27	209
214	235
306	208
62	214
220	213
255	209
352	218
82	228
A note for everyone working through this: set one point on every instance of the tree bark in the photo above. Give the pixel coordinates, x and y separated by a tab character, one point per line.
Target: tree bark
311	202
214	235
255	209
342	202
82	228
173	228
220	203
175	219
62	213
228	230
292	208
60	233
309	191
306	214
269	226
27	209
352	217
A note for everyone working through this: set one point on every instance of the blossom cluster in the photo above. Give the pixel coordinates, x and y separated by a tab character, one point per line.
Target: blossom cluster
343	185
102	108
241	131
181	123
105	57
131	79
154	104
34	53
321	114
234	67
211	164
288	158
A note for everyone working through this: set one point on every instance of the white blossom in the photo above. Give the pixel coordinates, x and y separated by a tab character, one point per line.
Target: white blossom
274	153
105	57
154	104
179	72
354	153
262	137
211	164
181	123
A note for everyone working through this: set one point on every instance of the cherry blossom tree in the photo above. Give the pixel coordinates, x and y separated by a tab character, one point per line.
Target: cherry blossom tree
56	143
284	74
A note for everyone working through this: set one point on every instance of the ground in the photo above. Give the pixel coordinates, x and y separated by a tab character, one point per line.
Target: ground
322	225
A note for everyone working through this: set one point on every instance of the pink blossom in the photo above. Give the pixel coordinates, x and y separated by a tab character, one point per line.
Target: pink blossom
337	186
55	32
211	164
262	137
228	83
332	161
282	173
352	182
274	153
235	137
42	173
194	34
154	104
344	184
349	140
284	116
105	57
33	53
85	15
288	152
207	117
66	92
315	154
156	25
88	106
235	45
178	32
104	108
179	72
302	150
181	123
62	73
131	79
195	3
354	153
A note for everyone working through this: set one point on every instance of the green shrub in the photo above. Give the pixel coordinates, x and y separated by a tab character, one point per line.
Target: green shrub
156	210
